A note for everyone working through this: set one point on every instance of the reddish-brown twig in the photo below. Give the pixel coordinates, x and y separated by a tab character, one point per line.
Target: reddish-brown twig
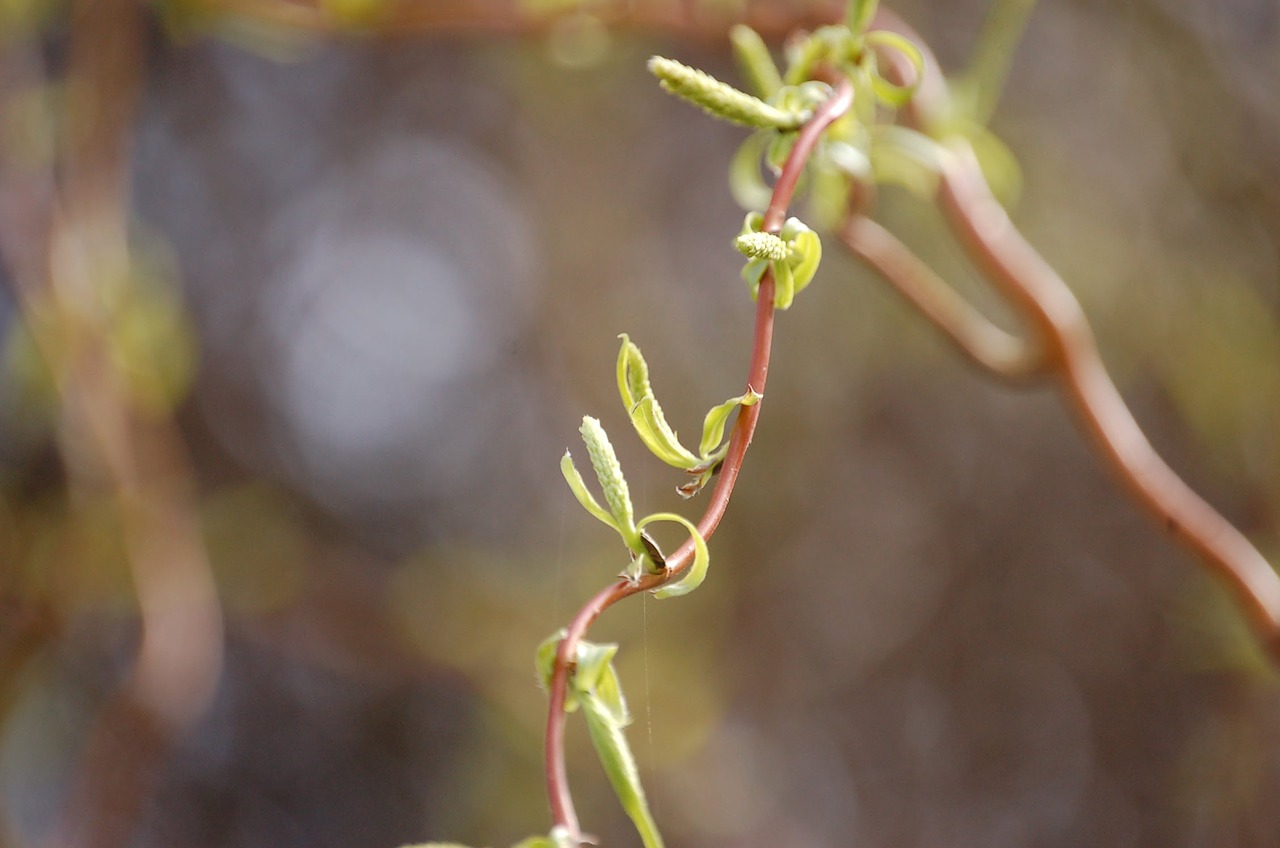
973	334
1067	353
561	801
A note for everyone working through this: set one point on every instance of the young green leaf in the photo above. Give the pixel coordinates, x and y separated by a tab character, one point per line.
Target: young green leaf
701	557
720	99
596	677
716	418
806	252
579	488
646	415
592	660
620	767
754	60
860	15
784	285
544	664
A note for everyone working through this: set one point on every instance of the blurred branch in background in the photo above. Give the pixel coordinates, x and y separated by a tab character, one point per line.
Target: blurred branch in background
108	339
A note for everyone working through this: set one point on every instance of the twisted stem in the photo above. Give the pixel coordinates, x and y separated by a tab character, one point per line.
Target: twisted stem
561	801
1068	354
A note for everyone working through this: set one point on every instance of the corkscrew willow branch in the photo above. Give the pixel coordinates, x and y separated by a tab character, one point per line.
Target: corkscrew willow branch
561	801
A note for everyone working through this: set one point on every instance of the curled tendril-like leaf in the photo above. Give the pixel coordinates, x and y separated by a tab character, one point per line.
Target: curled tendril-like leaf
721	99
806	252
701	557
892	94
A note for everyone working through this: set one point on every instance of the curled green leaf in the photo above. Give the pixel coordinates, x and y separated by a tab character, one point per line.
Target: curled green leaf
784	285
644	410
806	252
721	99
701	557
892	94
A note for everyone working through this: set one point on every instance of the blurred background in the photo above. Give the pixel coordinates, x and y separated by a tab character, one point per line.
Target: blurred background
274	574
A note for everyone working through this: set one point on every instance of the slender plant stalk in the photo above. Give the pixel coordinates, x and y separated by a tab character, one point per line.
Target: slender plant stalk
561	801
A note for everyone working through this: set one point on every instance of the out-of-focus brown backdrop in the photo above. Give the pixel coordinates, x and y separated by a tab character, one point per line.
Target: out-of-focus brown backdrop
931	618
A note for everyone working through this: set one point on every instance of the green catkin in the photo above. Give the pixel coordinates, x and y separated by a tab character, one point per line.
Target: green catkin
721	99
608	471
